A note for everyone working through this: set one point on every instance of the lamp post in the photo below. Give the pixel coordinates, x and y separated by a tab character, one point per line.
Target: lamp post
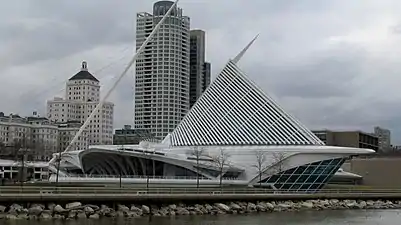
22	152
58	167
121	161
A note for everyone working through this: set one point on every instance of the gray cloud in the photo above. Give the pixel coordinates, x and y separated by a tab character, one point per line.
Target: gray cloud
326	78
333	64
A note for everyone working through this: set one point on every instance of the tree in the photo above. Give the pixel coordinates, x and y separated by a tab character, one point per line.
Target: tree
278	162
260	164
269	163
221	162
197	153
21	149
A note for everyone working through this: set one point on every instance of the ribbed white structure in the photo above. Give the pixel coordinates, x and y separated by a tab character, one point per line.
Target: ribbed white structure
234	111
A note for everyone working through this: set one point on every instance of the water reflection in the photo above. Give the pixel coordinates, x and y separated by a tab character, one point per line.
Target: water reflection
350	217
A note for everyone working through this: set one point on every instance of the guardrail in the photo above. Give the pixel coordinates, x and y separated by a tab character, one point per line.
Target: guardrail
182	191
144	177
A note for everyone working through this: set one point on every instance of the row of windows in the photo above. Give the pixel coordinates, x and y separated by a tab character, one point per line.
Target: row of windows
79	106
79	93
84	82
83	88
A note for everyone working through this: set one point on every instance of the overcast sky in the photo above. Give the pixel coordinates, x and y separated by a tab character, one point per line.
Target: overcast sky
333	64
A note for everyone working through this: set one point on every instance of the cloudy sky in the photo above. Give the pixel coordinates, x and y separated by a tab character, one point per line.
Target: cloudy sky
334	64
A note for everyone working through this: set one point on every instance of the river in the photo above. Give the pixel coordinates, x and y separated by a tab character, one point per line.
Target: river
343	217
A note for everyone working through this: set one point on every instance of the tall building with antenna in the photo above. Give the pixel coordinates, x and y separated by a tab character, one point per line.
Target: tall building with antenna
162	70
82	95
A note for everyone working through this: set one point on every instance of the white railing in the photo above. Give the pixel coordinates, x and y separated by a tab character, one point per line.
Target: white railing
146	177
129	190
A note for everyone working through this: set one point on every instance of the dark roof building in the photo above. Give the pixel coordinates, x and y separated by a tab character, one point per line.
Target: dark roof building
84	74
129	136
355	139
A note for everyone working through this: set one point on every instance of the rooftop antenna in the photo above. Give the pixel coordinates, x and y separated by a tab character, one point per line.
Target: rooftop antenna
99	106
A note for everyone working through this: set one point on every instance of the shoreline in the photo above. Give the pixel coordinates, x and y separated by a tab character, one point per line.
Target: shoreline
76	210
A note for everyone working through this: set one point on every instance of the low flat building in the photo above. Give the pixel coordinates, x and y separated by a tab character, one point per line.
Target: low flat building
355	139
378	172
130	136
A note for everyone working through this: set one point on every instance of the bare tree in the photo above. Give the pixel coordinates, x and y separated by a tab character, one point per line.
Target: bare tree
21	149
260	164
221	162
197	153
278	162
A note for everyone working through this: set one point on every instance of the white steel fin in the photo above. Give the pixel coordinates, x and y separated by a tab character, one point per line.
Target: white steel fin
235	111
242	53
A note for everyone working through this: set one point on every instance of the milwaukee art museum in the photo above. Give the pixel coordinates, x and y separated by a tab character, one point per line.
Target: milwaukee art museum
235	135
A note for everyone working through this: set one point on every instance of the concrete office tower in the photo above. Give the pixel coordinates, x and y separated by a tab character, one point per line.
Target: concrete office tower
384	136
162	71
81	98
199	69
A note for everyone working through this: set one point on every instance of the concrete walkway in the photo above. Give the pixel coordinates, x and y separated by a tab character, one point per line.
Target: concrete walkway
105	194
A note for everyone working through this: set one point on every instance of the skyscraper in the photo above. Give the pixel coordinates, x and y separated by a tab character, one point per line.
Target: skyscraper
81	97
199	69
162	70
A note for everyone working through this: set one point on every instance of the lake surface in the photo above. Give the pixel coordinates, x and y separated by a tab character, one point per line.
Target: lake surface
343	217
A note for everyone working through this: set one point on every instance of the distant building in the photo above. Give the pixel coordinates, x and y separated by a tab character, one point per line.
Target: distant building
207	69
199	78
38	135
129	136
356	139
384	136
81	98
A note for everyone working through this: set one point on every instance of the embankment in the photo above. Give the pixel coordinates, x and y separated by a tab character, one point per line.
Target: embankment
77	210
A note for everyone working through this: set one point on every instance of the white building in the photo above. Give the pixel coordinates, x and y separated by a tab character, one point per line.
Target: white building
81	97
162	70
231	129
38	135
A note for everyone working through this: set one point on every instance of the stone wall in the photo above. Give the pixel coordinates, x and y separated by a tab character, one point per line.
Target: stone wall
76	210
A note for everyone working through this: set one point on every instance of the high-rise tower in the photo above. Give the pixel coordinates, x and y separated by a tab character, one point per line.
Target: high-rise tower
162	71
199	69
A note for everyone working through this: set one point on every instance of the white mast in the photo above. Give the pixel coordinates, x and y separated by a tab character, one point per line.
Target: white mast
99	106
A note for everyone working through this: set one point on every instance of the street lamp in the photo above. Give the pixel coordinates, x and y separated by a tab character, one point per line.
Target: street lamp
22	152
58	167
121	163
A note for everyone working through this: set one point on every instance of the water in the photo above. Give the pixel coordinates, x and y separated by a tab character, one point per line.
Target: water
350	217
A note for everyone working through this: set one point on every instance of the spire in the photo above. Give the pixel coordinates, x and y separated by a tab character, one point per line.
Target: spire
239	56
84	66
